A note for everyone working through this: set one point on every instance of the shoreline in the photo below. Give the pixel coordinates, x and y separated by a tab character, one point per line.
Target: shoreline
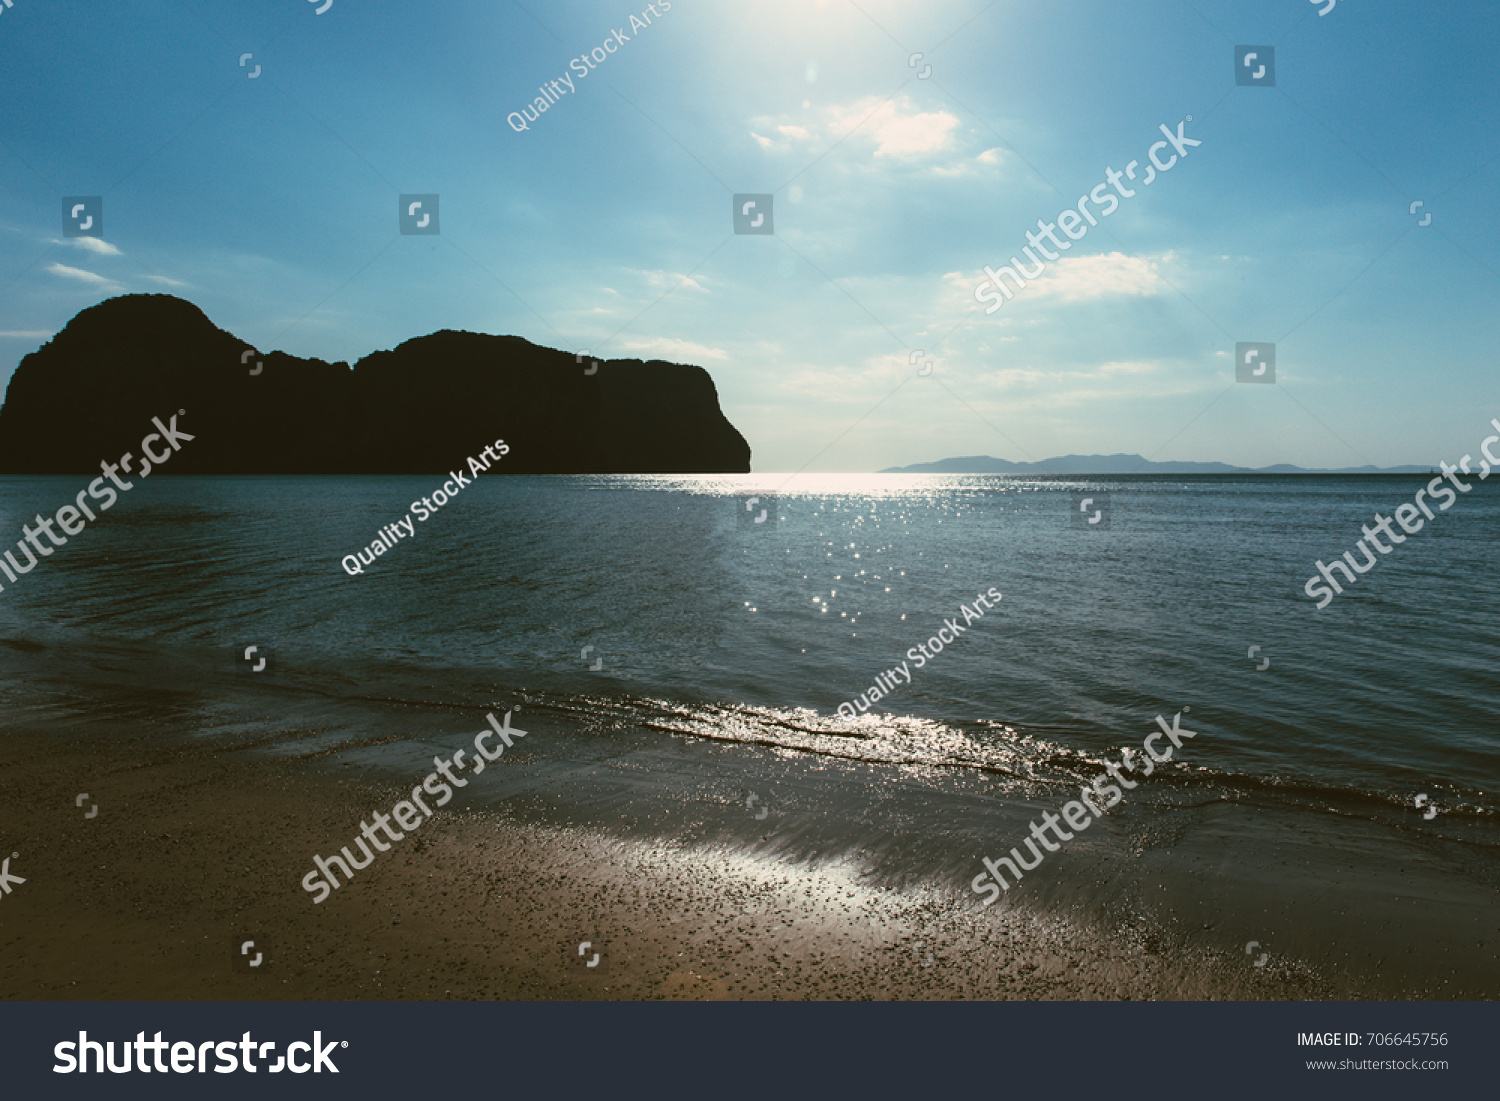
196	847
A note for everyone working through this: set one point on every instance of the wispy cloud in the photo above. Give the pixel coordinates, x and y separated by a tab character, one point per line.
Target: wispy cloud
90	244
669	280
897	129
1080	278
26	334
82	276
677	351
1077	278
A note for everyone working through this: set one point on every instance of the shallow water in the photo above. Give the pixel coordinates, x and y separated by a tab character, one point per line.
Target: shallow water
1302	779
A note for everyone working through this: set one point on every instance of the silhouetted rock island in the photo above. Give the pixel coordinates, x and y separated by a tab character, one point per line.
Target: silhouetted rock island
87	393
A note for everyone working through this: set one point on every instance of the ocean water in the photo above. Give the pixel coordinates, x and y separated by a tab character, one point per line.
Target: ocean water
724	649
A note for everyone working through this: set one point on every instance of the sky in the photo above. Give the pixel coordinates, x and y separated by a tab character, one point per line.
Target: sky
849	339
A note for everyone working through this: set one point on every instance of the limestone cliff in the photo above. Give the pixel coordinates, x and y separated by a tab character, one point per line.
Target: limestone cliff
416	409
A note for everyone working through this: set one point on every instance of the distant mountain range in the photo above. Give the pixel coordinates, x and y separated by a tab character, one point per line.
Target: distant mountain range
89	393
1121	464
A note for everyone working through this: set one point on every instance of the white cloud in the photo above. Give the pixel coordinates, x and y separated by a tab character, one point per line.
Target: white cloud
1041	390
670	280
1007	378
26	334
896	127
92	244
1132	367
82	276
676	351
167	282
1078	278
838	382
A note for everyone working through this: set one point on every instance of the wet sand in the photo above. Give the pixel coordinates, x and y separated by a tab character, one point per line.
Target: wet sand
197	848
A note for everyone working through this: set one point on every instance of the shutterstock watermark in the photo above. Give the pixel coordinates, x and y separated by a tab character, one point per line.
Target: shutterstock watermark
1075	221
6	879
1407	516
321	878
1076	813
190	1058
71	518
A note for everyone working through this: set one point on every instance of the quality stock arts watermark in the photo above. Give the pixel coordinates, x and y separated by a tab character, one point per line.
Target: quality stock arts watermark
1072	221
889	680
72	518
1407	516
423	507
583	64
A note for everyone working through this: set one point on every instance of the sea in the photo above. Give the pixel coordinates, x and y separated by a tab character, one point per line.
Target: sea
677	649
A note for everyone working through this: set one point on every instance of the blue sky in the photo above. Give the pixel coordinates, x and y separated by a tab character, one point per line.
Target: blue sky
271	203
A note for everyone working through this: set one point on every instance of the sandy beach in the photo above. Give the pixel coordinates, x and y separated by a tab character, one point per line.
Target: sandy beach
197	848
